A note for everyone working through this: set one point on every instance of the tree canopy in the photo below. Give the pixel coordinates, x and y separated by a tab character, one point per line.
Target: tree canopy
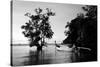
38	27
83	28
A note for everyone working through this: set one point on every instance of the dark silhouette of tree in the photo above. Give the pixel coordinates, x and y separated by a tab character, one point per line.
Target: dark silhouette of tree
75	28
91	11
83	29
91	29
38	27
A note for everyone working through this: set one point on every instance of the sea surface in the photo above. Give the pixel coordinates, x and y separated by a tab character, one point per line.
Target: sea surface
25	55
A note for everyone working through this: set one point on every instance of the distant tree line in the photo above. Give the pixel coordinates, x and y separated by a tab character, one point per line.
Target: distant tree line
83	29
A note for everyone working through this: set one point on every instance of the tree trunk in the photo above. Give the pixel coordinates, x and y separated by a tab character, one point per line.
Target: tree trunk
39	48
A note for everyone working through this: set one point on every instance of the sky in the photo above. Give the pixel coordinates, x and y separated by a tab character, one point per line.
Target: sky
64	13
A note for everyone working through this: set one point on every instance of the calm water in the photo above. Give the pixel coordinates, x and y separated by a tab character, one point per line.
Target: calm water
24	55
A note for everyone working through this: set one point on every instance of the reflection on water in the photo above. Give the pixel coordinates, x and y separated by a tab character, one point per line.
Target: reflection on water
23	55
